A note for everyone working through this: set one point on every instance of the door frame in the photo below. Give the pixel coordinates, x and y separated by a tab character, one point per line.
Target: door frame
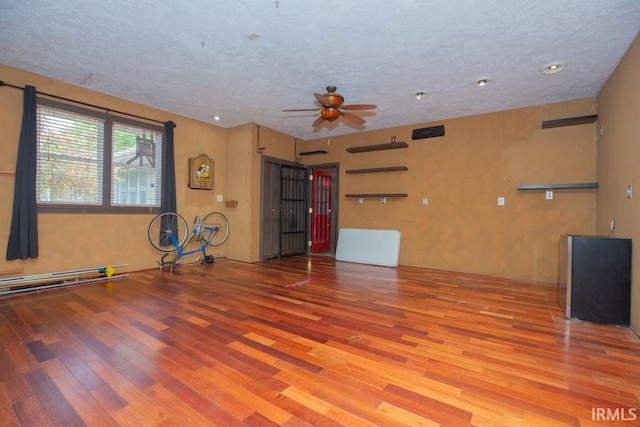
280	162
334	170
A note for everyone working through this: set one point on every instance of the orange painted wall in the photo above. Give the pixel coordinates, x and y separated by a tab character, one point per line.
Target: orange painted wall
246	144
70	242
619	161
462	175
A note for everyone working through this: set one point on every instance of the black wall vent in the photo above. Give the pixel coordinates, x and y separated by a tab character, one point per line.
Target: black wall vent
430	132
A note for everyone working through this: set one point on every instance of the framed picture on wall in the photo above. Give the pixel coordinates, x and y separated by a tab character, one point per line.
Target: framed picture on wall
201	172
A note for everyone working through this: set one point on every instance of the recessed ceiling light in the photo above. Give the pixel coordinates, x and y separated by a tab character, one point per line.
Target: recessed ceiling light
216	118
553	68
481	82
252	36
419	94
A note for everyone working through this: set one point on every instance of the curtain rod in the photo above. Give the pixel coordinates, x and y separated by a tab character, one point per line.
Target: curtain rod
108	110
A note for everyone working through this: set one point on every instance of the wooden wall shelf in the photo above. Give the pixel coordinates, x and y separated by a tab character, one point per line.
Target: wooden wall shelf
571	121
312	153
378	147
374	170
558	186
377	195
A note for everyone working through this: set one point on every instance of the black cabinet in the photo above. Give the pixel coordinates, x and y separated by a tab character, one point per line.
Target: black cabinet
595	278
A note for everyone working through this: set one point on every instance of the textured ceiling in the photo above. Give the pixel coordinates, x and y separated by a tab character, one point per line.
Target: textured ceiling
247	60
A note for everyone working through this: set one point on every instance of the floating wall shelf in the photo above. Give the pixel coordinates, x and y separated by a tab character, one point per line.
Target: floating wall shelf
381	196
558	186
312	153
373	170
377	195
378	147
571	121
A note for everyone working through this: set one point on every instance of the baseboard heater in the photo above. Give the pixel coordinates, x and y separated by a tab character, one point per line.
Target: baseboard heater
41	281
364	246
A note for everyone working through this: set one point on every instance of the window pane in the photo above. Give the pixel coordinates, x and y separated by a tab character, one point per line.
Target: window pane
136	166
88	160
69	163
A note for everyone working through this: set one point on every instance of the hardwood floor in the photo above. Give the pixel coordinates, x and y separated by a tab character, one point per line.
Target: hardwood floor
308	341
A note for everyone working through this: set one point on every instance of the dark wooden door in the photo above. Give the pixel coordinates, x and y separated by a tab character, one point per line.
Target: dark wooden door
271	210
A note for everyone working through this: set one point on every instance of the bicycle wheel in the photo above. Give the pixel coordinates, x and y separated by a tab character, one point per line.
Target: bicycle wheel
168	231
216	228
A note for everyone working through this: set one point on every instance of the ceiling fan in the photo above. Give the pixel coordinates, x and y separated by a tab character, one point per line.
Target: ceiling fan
331	107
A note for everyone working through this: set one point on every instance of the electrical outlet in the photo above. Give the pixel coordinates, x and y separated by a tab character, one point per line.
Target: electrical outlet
425	201
500	201
219	198
629	191
548	195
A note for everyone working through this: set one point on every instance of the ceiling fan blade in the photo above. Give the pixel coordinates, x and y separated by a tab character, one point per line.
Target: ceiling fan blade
301	109
359	107
322	100
318	121
353	118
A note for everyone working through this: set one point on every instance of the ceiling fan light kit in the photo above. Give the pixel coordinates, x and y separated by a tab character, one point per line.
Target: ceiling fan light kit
332	107
330	114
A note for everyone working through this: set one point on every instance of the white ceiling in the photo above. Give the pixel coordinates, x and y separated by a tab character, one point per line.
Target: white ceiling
195	57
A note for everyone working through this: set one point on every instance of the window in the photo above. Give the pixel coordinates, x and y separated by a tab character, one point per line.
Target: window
93	161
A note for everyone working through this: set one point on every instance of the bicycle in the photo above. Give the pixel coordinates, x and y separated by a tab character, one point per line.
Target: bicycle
168	232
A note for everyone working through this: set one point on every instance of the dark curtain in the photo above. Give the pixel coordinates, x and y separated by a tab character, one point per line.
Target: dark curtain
23	237
168	196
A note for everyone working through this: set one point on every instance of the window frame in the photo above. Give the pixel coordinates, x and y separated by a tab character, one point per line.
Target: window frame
107	157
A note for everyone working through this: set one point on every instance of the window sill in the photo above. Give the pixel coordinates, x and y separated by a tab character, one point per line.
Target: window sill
86	209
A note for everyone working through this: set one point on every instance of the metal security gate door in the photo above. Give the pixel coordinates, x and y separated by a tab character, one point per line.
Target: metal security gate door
293	218
321	213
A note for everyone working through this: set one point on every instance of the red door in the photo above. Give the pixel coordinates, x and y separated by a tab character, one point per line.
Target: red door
321	213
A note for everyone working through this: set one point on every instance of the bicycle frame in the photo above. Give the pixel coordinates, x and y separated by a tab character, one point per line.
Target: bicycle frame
180	250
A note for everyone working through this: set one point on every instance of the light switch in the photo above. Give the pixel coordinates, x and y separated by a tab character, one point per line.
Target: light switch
500	201
219	198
